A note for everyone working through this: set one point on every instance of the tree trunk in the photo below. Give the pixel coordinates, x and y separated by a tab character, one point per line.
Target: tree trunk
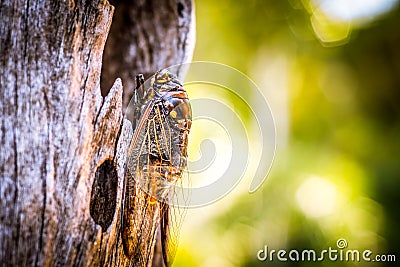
62	143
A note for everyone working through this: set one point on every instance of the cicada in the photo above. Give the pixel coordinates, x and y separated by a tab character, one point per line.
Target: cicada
161	117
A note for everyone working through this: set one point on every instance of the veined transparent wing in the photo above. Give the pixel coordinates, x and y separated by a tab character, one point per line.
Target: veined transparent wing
156	165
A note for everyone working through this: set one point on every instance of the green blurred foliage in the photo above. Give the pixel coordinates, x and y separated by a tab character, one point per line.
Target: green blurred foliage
344	128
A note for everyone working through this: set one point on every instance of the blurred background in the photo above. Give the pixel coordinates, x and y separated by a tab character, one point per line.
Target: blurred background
330	70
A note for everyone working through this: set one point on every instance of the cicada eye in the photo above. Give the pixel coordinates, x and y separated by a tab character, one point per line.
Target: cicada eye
182	114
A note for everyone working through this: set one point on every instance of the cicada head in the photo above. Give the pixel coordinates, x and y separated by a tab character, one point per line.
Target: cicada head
175	100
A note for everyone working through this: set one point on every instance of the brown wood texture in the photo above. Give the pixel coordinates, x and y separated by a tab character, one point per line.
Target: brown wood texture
146	36
63	144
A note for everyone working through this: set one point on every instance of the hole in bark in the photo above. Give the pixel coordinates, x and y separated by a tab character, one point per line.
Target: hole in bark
181	7
104	194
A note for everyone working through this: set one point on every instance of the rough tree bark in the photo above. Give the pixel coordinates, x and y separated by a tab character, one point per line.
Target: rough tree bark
62	144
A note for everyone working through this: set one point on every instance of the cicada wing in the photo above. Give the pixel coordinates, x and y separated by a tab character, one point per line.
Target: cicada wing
135	208
172	217
158	173
145	182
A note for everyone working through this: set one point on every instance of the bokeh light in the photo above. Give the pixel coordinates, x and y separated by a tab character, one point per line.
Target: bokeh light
355	10
334	20
330	71
316	197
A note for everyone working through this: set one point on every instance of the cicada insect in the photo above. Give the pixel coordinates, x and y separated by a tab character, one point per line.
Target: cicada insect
161	116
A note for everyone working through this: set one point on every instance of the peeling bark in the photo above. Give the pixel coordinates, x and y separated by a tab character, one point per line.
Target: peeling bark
62	143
